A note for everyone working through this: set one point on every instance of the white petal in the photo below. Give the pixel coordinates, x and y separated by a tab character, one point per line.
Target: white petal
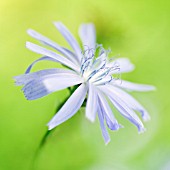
123	64
70	39
25	78
123	108
38	60
91	107
71	106
107	112
130	101
52	44
87	34
40	50
133	86
102	125
45	85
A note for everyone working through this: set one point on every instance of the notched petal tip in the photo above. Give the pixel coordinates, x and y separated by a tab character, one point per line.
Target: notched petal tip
146	118
50	127
141	130
19	80
152	88
16	82
90	118
107	142
147	88
114	126
33	95
28	97
28	44
58	24
30	31
31	46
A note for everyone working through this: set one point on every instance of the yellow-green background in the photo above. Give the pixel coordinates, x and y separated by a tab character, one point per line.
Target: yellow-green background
137	29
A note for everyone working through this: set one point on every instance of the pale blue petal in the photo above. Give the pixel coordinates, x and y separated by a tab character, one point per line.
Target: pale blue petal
45	85
123	64
124	109
70	39
107	112
102	125
91	106
52	44
129	114
70	53
87	34
25	78
133	86
40	50
71	106
130	101
40	59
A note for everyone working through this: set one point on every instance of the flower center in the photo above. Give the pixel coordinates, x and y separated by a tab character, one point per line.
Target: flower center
97	70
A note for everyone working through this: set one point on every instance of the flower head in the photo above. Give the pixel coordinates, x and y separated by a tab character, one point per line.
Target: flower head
93	72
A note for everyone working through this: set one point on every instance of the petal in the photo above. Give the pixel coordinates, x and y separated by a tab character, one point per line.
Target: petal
130	101
107	112
123	64
36	61
71	106
87	34
25	78
45	85
70	53
133	86
91	106
40	50
102	125
52	44
69	38
123	108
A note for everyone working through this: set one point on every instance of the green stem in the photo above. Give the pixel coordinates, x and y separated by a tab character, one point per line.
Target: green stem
48	132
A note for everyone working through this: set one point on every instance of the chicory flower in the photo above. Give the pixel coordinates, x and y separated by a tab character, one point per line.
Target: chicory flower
92	71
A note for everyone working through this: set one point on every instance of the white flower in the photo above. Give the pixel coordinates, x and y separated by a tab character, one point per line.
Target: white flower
92	71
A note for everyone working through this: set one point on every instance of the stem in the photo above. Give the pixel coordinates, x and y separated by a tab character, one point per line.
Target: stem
48	132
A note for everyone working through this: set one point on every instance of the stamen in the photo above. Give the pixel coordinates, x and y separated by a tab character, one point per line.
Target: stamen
101	74
85	65
96	69
103	82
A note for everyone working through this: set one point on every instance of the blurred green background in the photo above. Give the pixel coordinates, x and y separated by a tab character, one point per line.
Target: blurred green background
138	30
